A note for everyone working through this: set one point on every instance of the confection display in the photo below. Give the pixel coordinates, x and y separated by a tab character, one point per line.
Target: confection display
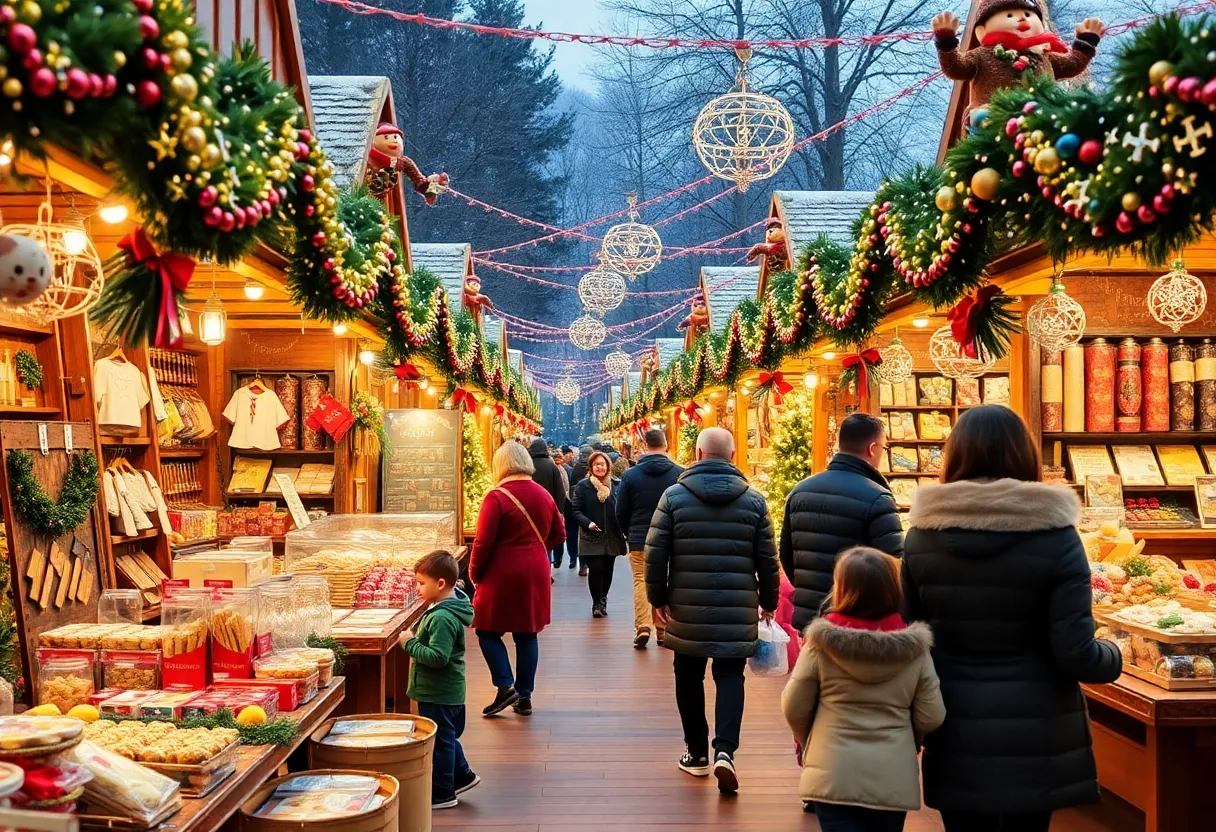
1129	386
1099	386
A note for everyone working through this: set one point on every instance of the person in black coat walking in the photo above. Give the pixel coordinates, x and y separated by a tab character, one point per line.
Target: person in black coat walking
636	500
600	541
710	562
994	565
849	504
548	477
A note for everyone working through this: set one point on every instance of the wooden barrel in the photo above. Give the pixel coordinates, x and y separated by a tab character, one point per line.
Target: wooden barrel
409	763
381	819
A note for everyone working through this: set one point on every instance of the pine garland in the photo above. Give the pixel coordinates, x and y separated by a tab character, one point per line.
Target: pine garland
280	731
476	473
35	506
29	369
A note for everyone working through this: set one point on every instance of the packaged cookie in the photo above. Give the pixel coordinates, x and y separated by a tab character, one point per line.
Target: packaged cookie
184	640
904	460
65	677
120	606
131	669
234	616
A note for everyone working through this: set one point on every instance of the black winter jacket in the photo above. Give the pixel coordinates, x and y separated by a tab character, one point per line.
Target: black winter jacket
710	558
998	571
588	509
638	497
847	505
579	472
546	474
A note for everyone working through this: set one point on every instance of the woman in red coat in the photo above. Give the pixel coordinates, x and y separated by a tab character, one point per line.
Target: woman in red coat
518	526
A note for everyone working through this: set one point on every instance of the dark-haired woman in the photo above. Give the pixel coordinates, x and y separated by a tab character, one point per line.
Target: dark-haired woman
994	565
600	540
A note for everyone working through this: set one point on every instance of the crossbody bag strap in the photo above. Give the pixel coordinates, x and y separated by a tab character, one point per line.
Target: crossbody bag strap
523	511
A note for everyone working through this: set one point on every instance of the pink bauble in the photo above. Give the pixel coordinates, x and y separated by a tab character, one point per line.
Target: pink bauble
305	135
208	196
1171	84
214	215
1161	205
42	82
1124	223
1011	127
1020	168
147	93
228	222
78	83
1146	214
21	38
144	6
32	59
150	57
97	85
1208	94
307	183
7	14
148	27
1188	87
1090	152
1168	191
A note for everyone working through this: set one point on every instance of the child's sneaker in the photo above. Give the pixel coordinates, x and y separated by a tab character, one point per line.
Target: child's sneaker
696	766
467	783
724	770
450	803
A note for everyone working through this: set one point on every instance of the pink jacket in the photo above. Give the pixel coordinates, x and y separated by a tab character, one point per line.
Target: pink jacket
785	618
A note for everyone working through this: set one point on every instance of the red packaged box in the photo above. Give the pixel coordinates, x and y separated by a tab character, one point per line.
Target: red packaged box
292	693
232	699
185	643
234	616
102	695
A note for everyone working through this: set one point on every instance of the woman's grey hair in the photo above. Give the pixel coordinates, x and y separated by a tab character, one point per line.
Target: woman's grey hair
510	460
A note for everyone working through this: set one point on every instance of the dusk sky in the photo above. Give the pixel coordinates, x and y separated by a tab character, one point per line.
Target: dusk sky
574	16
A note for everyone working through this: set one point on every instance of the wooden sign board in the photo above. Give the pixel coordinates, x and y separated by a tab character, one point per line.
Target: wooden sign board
44	570
421	462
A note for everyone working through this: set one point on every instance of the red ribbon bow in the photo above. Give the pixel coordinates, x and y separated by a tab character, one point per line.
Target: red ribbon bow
862	361
1014	41
690	411
407	371
500	411
461	396
780	387
174	270
965	316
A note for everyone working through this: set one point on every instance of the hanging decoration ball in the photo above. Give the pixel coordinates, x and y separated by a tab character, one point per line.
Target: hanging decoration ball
1177	298
73	276
945	355
1068	145
617	363
743	136
985	183
946	199
1090	153
25	269
1057	321
601	290
1047	161
896	366
1158	72
631	248
567	390
587	332
1130	201
184	87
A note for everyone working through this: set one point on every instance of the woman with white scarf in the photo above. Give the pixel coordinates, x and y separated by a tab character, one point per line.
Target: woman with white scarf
600	541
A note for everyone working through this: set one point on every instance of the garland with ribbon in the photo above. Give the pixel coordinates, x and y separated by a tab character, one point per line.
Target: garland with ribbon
78	494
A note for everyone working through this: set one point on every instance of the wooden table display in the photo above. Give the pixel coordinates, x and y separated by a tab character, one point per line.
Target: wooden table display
57	604
255	764
376	667
1156	749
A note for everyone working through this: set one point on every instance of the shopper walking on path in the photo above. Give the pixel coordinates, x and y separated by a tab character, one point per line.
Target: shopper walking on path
636	500
578	474
549	477
710	562
849	504
600	541
518	526
994	565
861	700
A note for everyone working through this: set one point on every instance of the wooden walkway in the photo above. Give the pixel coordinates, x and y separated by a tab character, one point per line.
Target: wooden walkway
600	752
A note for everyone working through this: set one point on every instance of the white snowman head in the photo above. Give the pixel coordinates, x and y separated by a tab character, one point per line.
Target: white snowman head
25	269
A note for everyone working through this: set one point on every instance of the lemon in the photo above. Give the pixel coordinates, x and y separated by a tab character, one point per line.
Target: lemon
48	709
85	713
252	715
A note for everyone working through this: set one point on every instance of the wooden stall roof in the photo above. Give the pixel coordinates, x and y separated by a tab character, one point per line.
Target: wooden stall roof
668	348
450	262
806	214
614	395
724	287
631	383
494	330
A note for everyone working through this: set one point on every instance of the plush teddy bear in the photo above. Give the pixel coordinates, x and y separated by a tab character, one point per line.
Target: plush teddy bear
386	162
773	248
696	323
648	363
472	299
1011	37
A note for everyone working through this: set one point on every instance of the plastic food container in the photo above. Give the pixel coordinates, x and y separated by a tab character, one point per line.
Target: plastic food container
120	606
187	620
165	704
1154	650
321	657
312	599
281	617
235	616
232	699
131	669
65	677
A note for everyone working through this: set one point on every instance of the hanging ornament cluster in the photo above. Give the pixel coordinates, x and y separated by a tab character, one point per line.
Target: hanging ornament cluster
601	290
1057	321
587	332
896	366
567	390
1177	298
743	136
617	363
949	359
632	248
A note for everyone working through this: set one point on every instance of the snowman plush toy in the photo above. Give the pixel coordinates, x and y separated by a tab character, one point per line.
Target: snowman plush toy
25	270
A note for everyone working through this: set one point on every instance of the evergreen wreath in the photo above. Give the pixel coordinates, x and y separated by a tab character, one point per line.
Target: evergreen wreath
29	370
35	506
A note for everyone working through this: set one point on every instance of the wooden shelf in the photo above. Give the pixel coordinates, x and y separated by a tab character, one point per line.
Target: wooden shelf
274	538
182	453
132	441
1173	436
927	407
279	452
264	496
1165	534
147	534
19	410
1153	489
10	326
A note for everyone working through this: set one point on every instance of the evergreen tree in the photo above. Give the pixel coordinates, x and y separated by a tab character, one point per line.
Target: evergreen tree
476	472
790	450
686	450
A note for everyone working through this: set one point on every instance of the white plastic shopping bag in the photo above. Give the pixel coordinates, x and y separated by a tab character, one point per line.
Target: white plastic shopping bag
771	657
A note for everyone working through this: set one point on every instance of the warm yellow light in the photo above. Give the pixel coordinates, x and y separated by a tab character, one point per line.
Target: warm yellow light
434	391
829	356
367	357
212	321
920	323
254	290
75	238
811	380
715	395
5	160
485	410
113	214
424	383
339	328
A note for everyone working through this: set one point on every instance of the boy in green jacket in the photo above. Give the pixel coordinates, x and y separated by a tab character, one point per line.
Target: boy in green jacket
437	672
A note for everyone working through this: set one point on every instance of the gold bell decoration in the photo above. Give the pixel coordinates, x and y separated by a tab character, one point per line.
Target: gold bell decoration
631	248
1057	321
1177	298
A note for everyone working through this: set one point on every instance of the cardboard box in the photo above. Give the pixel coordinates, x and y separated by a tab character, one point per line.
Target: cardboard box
241	569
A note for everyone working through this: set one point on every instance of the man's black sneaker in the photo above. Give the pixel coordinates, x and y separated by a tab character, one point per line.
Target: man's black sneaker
469	782
505	698
524	706
639	641
450	803
724	770
582	572
696	766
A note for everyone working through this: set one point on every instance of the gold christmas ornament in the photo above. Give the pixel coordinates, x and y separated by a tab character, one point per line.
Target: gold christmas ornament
587	332
76	276
896	366
601	290
567	390
1177	298
631	248
1056	322
617	363
945	355
946	199
985	183
743	136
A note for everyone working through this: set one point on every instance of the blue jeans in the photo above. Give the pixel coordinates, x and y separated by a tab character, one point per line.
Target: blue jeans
836	817
448	766
527	653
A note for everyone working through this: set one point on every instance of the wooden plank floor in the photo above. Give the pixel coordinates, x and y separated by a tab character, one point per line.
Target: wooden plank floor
599	754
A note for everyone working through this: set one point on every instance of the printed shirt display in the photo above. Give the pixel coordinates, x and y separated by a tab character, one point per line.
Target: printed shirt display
256	419
121	391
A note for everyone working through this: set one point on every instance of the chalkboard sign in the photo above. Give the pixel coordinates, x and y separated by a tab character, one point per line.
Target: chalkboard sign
421	461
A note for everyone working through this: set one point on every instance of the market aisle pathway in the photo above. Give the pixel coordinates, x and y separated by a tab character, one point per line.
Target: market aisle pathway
599	754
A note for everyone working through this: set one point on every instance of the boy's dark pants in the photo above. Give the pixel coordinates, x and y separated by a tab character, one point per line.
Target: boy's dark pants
449	765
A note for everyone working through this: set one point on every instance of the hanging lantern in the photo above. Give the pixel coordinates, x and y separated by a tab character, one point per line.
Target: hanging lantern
73	282
945	355
566	390
743	136
1177	298
587	332
1056	322
617	363
632	248
601	290
212	321
896	366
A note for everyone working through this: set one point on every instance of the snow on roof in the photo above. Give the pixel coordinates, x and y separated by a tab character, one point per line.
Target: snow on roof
449	263
669	348
725	287
347	110
635	382
807	214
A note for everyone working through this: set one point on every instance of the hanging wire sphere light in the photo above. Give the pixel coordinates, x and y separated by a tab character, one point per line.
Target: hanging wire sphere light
76	269
566	390
587	332
601	290
1177	298
617	363
945	355
743	136
1057	321
632	248
896	366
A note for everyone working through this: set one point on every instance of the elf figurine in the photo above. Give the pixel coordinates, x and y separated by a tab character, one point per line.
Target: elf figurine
386	162
696	323
472	299
1012	38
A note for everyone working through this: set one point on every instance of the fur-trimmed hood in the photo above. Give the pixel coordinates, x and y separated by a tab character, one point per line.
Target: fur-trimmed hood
869	656
1004	505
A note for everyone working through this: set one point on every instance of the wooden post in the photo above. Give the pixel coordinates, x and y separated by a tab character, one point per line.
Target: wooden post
742	404
485	426
672	429
819	431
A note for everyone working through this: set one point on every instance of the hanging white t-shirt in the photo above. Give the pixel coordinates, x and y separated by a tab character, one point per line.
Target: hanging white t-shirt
256	419
121	391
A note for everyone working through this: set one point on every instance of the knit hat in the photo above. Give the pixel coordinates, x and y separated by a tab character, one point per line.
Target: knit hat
388	128
990	7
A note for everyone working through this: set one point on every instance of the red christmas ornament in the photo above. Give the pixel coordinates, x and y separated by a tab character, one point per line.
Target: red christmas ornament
1090	152
1020	168
148	27
7	14
227	222
1188	87
78	83
32	60
147	93
306	135
97	86
1124	223
307	183
214	216
1208	94
1011	127
150	57
1168	191
1146	214
1161	205
1170	85
21	38
1100	230
208	196
144	6
42	82
318	239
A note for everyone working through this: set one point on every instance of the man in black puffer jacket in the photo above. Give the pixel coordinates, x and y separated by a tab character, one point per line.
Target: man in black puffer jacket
710	562
849	504
548	477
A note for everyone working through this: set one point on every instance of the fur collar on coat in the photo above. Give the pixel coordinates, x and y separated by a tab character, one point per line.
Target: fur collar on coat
995	505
